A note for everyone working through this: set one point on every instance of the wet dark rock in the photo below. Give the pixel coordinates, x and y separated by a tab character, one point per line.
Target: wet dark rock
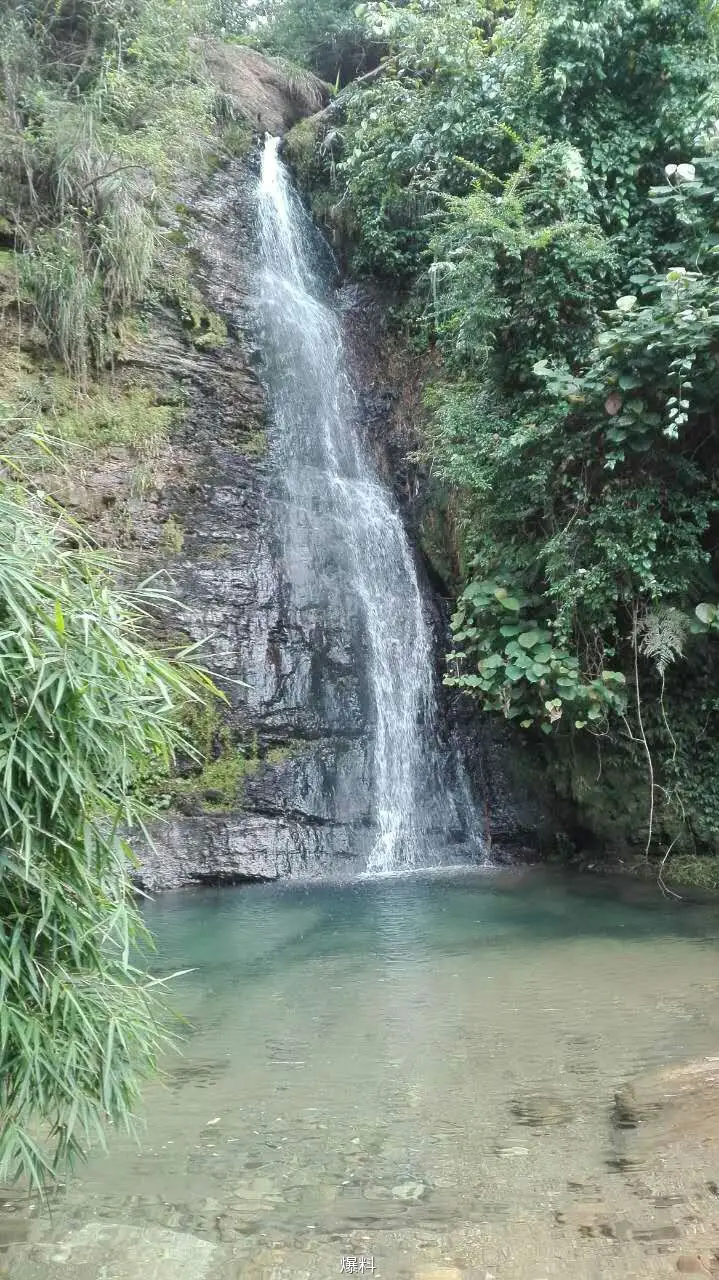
594	1220
629	1109
291	666
542	1110
193	1073
650	1234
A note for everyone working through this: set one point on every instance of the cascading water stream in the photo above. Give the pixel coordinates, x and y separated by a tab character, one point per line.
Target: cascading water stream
344	539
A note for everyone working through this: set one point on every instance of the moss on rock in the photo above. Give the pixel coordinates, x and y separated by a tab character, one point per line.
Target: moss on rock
300	149
172	537
253	443
204	328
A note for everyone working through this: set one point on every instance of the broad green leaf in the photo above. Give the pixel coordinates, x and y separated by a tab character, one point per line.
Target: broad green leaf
528	639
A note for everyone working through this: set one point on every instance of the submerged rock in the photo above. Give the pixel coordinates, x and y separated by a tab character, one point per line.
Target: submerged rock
438	1273
541	1110
377	1193
698	1264
677	1105
409	1191
693	1086
101	1250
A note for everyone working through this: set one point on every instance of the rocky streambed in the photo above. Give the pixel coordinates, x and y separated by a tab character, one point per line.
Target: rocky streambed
421	1071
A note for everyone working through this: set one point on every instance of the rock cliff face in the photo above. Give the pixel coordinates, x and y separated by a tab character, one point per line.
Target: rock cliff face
305	736
229	577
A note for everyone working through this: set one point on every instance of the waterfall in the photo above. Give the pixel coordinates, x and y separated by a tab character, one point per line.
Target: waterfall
344	542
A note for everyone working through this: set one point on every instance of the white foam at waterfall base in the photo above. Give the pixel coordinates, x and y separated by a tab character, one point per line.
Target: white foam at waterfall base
364	553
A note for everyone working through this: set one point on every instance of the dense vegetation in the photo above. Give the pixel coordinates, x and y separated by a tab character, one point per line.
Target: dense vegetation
328	37
101	103
539	183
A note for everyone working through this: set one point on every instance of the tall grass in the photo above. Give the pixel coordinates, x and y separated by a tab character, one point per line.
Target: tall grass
100	104
85	708
67	294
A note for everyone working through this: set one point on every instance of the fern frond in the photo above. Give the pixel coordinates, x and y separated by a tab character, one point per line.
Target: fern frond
661	637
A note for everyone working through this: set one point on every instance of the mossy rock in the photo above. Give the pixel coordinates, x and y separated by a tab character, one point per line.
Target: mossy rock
304	152
218	788
110	412
300	146
253	443
435	542
211	779
172	538
284	751
691	871
205	329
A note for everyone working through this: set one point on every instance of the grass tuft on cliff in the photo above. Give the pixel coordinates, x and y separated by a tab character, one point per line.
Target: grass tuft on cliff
100	107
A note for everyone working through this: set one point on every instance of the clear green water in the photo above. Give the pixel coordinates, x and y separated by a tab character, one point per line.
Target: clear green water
351	1047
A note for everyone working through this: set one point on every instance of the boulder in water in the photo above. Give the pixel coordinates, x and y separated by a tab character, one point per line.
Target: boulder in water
696	1264
678	1106
692	1087
102	1249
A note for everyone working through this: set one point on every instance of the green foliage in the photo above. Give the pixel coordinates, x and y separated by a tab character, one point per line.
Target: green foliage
100	104
469	86
521	265
523	668
325	36
543	182
83	707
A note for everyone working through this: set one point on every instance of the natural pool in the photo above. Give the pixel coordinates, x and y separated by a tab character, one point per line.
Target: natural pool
417	1071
